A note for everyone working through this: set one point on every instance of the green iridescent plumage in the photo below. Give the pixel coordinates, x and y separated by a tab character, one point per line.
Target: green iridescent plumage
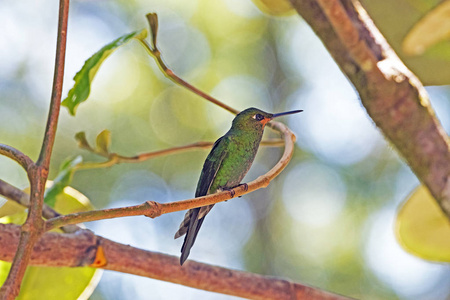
226	165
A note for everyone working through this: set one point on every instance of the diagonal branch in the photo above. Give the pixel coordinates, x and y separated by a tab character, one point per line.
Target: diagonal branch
393	97
74	250
154	209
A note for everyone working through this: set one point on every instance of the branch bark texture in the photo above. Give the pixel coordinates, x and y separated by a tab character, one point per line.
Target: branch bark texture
393	97
79	249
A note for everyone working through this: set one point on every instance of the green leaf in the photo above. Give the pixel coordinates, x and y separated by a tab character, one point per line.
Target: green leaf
422	228
53	282
104	141
279	8
83	79
62	180
10	207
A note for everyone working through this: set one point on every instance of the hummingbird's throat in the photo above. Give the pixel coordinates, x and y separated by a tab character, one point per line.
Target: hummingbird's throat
265	121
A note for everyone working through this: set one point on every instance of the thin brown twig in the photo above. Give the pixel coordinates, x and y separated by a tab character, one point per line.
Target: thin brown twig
154	209
156	54
16	155
38	173
58	77
14	194
114	158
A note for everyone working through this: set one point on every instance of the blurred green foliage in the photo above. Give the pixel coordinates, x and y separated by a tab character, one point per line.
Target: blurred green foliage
432	64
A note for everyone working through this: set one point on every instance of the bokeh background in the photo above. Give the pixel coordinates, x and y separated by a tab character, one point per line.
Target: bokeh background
326	221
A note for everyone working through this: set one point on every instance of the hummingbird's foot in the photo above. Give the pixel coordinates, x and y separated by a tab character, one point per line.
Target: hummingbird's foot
232	192
245	187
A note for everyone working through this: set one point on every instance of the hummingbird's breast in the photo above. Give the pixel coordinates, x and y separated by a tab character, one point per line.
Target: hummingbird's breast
241	152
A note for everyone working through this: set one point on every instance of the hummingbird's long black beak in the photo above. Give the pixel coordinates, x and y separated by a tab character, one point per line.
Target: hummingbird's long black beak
286	113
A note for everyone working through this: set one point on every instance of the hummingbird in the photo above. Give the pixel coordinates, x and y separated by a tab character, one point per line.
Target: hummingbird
225	166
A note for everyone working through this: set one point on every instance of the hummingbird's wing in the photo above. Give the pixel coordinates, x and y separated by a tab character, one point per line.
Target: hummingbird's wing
212	165
193	219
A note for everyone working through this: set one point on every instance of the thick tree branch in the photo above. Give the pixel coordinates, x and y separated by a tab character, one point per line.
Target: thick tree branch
393	97
79	249
38	173
154	209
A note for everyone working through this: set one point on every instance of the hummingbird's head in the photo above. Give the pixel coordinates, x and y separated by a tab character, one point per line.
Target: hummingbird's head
253	118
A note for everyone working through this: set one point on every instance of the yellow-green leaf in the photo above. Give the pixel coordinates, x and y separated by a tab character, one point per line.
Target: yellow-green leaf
104	141
54	282
10	208
433	66
431	29
277	8
71	201
422	228
83	79
63	179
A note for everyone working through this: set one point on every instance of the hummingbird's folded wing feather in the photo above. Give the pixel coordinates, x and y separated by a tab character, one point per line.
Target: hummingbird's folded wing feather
212	165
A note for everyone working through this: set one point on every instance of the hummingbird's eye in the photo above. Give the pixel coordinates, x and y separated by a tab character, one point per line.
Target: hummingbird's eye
258	117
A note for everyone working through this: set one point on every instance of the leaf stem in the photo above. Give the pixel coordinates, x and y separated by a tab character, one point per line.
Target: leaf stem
156	54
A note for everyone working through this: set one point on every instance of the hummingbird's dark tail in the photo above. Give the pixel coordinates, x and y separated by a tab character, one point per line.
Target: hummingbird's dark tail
191	235
190	226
